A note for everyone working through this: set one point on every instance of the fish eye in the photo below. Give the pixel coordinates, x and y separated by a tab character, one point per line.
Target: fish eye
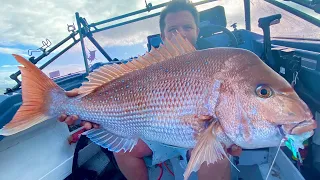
264	91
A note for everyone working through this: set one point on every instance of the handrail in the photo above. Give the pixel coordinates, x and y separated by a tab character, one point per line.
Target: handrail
82	32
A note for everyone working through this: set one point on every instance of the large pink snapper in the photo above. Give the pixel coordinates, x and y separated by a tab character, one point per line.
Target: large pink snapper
162	95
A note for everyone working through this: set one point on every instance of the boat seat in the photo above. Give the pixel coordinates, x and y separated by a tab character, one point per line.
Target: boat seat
173	156
162	153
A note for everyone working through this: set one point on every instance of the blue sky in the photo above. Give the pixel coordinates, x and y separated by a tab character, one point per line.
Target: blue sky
25	25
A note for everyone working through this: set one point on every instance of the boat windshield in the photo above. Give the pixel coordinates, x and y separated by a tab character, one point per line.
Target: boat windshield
50	19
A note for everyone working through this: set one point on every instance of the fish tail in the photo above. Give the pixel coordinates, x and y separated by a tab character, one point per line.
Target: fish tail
36	98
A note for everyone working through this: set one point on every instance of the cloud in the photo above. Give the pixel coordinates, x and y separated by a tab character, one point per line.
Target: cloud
131	34
6	50
14	66
31	23
8	66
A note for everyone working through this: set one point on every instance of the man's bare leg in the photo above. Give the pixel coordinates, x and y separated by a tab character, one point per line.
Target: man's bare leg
132	164
220	170
217	171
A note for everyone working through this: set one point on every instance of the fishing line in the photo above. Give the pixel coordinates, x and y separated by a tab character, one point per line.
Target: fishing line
232	163
282	140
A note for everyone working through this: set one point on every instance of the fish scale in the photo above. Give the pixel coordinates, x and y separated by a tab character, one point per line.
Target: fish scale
164	95
165	98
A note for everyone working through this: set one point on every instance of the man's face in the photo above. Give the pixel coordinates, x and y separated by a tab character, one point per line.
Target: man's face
184	23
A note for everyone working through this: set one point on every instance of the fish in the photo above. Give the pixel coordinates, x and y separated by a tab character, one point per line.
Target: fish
162	95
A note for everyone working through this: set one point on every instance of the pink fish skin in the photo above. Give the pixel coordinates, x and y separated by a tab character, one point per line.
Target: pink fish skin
161	102
160	97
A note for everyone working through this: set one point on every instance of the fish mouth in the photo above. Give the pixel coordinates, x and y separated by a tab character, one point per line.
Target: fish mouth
299	128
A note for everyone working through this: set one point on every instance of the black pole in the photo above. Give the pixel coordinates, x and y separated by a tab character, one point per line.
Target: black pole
127	22
135	20
247	14
264	24
128	14
82	43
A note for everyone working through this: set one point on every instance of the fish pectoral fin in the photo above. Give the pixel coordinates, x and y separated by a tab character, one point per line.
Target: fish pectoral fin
110	141
208	148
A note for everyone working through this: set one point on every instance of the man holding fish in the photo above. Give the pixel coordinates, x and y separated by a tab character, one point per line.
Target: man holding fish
184	18
174	95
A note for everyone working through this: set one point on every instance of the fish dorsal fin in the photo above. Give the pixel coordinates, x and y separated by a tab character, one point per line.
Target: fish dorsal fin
177	46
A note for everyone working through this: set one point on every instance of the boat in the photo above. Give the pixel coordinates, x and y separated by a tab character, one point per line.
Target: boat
285	34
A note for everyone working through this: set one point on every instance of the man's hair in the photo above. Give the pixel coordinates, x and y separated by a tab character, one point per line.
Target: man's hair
177	6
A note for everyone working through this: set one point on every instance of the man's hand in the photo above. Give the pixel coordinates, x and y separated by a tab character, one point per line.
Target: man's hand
234	150
72	119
